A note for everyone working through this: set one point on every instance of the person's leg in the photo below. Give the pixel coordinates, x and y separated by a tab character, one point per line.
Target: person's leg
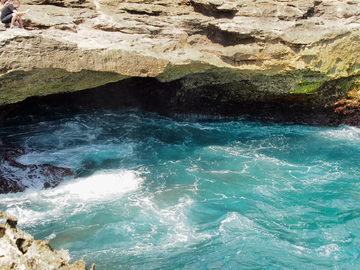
7	19
13	19
19	20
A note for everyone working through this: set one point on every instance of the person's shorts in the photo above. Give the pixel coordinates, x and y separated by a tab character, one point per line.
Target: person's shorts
7	19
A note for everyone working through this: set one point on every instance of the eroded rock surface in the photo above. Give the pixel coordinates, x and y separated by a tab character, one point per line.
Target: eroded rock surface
19	250
16	177
262	49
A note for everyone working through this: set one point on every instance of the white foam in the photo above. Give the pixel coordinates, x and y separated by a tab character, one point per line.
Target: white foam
72	157
173	218
328	250
234	222
76	195
51	236
102	185
342	133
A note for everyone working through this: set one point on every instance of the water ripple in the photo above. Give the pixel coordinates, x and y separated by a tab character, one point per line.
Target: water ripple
155	192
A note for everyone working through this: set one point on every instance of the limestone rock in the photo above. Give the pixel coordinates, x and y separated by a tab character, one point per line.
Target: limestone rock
19	250
77	45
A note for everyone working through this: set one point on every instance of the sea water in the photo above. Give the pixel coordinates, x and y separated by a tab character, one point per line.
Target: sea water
187	192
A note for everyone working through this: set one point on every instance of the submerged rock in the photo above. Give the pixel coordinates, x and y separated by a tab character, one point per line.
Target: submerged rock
19	250
16	177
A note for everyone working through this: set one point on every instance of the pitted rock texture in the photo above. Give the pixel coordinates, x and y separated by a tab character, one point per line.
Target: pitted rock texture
262	48
19	250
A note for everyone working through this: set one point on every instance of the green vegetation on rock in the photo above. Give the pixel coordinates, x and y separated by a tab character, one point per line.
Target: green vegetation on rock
18	85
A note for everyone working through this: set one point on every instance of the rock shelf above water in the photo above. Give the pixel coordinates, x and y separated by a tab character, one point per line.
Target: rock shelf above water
257	51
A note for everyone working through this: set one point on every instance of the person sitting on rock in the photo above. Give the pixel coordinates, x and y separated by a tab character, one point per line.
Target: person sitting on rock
11	15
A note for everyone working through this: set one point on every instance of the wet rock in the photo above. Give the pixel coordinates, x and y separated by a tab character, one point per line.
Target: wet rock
16	177
19	250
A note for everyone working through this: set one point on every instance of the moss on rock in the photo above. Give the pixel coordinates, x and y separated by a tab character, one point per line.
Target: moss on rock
18	85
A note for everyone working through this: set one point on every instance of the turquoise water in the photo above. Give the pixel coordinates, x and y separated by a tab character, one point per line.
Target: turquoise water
155	192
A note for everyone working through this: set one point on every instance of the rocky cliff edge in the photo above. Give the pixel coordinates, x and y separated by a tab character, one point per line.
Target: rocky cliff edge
257	50
19	250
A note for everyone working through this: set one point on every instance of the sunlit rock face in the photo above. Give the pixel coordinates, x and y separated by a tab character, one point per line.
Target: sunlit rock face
245	50
19	250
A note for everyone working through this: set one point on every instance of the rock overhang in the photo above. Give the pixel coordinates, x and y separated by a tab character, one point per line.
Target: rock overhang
276	47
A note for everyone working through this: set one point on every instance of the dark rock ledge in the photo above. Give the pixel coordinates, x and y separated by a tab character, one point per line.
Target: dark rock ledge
328	106
14	176
19	250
